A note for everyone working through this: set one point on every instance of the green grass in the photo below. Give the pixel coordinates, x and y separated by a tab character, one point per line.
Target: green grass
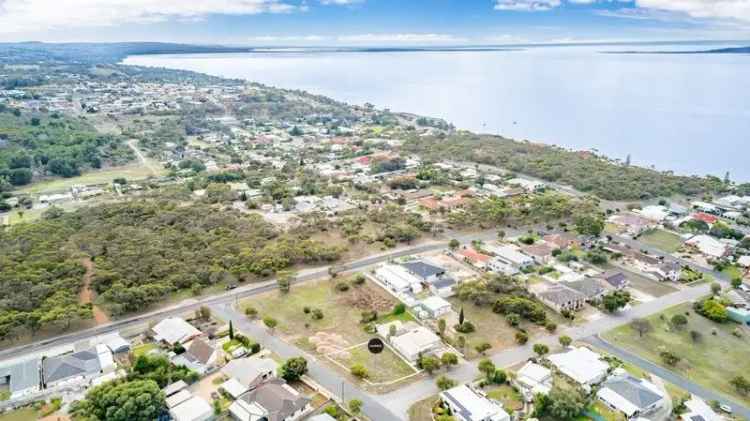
131	172
711	362
663	240
230	345
732	272
143	349
339	315
25	414
422	410
510	398
603	411
382	368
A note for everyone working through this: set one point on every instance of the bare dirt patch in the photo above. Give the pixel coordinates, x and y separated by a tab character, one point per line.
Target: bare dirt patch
86	295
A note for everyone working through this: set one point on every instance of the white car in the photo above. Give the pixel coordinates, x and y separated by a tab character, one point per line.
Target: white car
726	408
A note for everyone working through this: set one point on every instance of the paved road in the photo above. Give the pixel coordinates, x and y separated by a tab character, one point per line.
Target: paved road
192	305
374	407
400	400
669	376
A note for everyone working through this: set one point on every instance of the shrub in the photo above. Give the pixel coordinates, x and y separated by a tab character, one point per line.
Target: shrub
359	279
359	371
465	327
399	308
342	287
317	314
522	337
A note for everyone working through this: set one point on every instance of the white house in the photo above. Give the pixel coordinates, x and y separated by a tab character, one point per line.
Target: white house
192	409
708	246
398	279
21	378
174	330
433	307
631	396
533	379
468	405
510	255
698	409
250	372
411	340
582	365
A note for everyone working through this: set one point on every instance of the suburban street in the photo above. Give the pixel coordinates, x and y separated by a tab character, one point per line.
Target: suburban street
669	376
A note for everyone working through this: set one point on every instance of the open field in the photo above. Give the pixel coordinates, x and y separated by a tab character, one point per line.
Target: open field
135	171
340	325
493	329
663	240
649	286
422	410
25	414
382	368
712	361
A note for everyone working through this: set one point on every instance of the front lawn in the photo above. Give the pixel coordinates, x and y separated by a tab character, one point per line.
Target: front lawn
510	398
712	361
382	368
143	349
662	240
341	312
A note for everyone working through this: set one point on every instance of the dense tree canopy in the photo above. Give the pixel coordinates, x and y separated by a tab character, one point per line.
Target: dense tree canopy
138	400
582	170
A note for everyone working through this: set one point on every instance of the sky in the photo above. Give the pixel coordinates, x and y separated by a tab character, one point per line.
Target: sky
373	22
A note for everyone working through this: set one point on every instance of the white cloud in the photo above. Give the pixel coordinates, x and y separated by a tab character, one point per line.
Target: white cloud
710	9
25	15
526	5
340	2
287	38
400	38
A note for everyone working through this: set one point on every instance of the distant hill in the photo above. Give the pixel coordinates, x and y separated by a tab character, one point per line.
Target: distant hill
732	50
89	52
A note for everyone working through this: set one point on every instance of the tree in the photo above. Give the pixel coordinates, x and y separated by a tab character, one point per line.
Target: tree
284	280
449	359
483	347
441	326
669	357
487	367
445	383
293	369
679	321
741	385
714	310
453	244
270	322
736	282
461	317
429	364
560	404
231	330
355	406
522	337
590	224
541	349
138	400
715	288
565	340
251	312
615	300
696	336
642	326
359	371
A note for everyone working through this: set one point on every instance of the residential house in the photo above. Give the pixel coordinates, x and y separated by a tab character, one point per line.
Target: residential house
656	213
200	356
174	330
77	367
705	217
631	224
411	339
433	307
21	378
561	241
398	279
528	185
581	365
321	417
436	278
115	343
533	379
698	410
271	401
616	279
474	258
174	388
250	372
590	288
665	271
708	246
510	255
466	404
631	396
561	298
705	207
540	252
187	407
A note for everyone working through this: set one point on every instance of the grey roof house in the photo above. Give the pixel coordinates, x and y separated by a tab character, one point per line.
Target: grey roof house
561	298
272	401
588	287
71	367
21	378
631	396
618	280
